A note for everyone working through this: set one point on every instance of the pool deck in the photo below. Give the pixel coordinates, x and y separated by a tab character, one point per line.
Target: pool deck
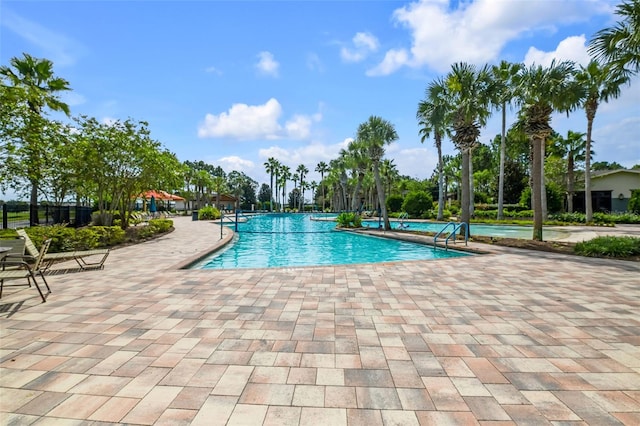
510	337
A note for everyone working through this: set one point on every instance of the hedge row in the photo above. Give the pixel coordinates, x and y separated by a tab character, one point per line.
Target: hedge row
64	238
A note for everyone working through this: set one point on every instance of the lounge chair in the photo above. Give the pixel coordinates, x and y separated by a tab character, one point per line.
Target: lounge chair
17	246
13	269
78	255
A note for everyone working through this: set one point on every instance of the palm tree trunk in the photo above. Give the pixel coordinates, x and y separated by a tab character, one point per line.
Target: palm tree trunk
465	215
570	178
536	192
441	189
471	195
543	184
380	188
503	153
588	206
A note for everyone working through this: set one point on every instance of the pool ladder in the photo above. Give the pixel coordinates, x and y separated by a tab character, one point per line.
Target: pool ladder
456	228
402	217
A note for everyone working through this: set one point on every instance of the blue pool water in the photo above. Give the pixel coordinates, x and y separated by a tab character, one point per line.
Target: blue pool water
284	240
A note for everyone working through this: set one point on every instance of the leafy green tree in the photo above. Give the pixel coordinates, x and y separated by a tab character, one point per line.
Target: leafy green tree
619	45
541	91
417	203
264	195
375	133
394	203
599	84
35	86
605	165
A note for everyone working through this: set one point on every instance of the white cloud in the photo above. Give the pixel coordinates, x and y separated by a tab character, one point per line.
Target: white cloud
61	50
414	162
233	162
572	48
72	98
251	122
393	60
267	65
314	63
444	32
213	70
363	44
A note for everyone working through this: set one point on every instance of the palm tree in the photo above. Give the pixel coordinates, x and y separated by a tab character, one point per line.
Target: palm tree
314	185
599	84
468	90
356	157
322	168
270	167
302	171
619	46
285	175
35	78
505	78
574	148
389	170
375	133
432	118
540	92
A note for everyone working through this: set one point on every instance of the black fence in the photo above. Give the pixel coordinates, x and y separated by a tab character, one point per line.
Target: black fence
19	216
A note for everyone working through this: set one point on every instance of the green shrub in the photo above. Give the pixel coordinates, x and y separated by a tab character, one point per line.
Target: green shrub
208	213
349	220
634	202
607	246
555	198
418	202
160	225
108	235
394	203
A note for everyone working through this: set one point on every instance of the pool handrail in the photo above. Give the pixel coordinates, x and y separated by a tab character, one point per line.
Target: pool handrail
456	228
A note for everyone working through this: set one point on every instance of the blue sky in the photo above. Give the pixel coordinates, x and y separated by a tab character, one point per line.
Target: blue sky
234	83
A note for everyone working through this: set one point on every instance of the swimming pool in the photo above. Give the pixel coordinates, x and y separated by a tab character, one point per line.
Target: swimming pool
283	240
505	231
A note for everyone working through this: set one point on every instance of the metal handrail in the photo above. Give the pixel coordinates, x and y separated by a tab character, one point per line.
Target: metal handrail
456	228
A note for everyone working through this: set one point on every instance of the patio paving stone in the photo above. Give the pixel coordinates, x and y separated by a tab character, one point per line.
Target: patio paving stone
512	337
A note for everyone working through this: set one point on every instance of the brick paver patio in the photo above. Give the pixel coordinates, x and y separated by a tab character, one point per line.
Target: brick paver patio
513	337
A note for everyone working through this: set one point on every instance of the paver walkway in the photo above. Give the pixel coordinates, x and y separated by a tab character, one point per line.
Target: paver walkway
513	337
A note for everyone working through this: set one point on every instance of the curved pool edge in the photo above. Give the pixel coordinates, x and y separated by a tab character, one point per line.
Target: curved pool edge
187	263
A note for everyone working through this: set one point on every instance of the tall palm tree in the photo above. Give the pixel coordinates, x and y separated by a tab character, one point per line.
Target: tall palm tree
504	77
541	91
469	90
270	167
432	119
356	157
389	170
573	147
322	168
314	185
375	133
285	175
36	79
599	84
302	171
619	46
